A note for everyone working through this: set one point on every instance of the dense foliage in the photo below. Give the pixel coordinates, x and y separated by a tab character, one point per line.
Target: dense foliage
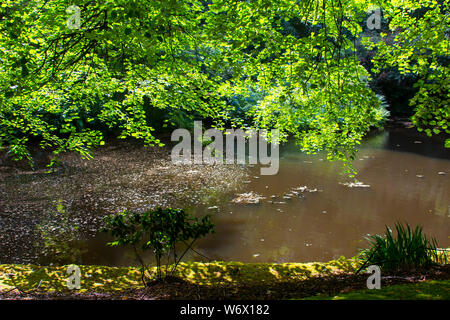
159	231
417	45
294	63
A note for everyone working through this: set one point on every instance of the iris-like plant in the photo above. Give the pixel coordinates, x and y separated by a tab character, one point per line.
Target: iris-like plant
410	249
160	230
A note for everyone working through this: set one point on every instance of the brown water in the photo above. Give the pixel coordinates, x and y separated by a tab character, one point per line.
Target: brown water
409	182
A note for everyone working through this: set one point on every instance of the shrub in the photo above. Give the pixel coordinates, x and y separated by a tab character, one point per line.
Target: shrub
411	249
160	230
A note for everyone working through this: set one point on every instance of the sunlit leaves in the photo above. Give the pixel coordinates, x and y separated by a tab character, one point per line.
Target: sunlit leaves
420	46
298	60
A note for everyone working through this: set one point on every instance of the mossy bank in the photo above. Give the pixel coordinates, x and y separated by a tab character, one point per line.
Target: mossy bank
195	280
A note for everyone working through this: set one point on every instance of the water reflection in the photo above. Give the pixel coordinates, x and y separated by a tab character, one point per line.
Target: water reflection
408	175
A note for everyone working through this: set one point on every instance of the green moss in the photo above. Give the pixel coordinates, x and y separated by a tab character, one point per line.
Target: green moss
96	278
429	290
109	279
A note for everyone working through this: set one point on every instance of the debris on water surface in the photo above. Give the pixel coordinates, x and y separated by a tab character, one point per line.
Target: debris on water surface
358	184
121	177
303	189
248	198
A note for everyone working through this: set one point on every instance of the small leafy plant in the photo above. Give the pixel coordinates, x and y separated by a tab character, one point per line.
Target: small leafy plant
160	231
411	249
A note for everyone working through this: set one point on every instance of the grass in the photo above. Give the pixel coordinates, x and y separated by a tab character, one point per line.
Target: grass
427	290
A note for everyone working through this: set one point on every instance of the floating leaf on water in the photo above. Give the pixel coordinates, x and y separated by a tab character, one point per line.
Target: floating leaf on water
355	185
248	198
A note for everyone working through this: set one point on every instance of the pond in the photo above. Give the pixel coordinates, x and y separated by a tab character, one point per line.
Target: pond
405	177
